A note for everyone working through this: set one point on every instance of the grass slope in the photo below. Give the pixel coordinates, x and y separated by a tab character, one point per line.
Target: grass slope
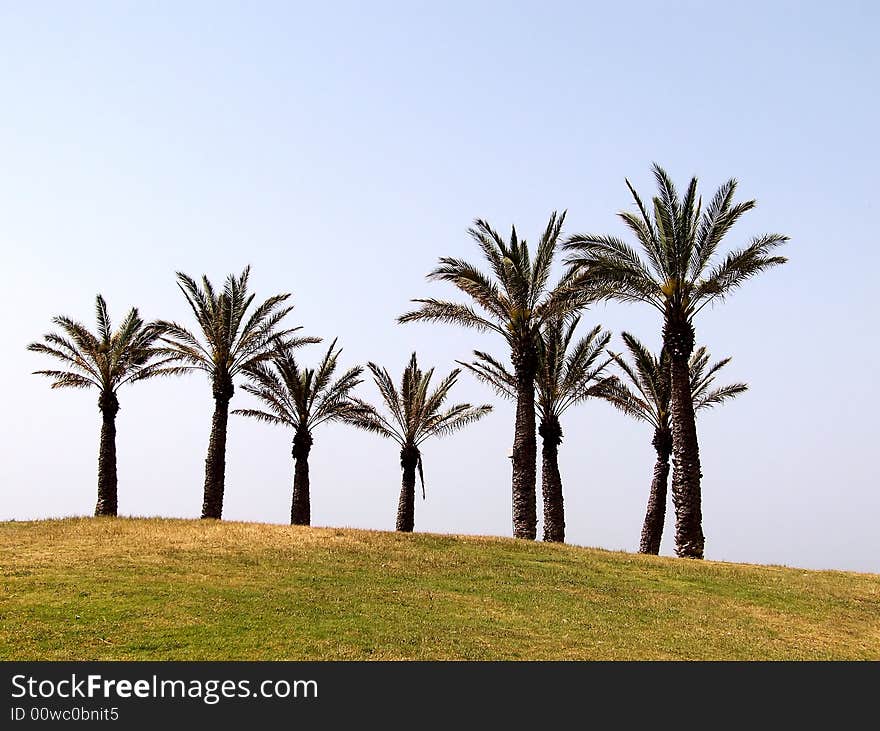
118	589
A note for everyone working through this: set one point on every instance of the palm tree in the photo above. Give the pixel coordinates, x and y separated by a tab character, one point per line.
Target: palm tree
303	399
232	341
515	302
678	275
415	415
648	401
106	361
565	376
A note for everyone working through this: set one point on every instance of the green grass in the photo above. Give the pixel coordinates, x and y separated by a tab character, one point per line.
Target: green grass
125	589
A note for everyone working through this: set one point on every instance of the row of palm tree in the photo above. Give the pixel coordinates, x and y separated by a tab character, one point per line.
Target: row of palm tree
674	270
238	339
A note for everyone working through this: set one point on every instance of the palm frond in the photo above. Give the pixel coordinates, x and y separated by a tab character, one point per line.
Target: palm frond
262	314
429	405
648	235
474	283
389	392
72	357
105	331
261	416
630	403
454	419
154	369
649	376
336	400
702	376
434	310
182	340
716	221
493	373
719	396
367	418
492	245
737	267
606	272
544	254
66	379
579	375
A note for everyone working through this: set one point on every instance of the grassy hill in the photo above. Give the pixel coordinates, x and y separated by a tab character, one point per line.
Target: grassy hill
119	589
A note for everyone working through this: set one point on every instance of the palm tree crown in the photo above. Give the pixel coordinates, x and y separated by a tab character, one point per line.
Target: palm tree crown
416	413
648	398
565	376
677	272
231	340
302	398
515	301
107	359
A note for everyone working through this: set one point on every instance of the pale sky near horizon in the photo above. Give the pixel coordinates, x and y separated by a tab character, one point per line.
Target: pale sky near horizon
340	148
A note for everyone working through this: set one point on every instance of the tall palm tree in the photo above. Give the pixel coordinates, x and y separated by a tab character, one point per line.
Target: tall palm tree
106	361
677	273
648	401
233	337
515	301
415	415
565	377
303	399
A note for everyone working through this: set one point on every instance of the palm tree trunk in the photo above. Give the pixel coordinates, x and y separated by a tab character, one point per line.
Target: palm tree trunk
655	516
107	500
551	481
678	339
406	506
525	518
300	510
215	462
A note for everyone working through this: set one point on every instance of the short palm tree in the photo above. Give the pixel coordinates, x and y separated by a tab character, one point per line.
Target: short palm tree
566	376
515	301
105	361
415	414
648	400
302	399
677	273
233	337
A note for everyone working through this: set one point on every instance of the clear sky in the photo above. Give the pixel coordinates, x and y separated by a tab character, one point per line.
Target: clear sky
341	148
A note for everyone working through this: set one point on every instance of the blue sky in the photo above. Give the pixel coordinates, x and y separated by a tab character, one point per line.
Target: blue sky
340	148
